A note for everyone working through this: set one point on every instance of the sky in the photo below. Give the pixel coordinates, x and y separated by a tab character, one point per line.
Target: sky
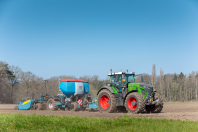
88	37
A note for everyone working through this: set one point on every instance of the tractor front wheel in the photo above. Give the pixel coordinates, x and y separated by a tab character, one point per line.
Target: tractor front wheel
157	107
106	101
134	103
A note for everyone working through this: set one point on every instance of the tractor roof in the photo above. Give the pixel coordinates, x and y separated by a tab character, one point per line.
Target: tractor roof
120	73
72	80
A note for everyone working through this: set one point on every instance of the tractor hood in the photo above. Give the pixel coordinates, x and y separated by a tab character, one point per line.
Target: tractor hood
148	88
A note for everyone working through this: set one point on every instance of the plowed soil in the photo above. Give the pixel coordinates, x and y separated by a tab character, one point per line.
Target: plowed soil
182	111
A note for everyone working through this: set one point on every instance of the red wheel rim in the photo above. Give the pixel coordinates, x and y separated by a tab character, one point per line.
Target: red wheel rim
130	101
104	101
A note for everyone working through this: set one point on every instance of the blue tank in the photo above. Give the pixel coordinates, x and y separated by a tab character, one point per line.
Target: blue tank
73	87
86	87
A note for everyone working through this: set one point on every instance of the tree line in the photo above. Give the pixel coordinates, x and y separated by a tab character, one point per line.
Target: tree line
175	87
16	84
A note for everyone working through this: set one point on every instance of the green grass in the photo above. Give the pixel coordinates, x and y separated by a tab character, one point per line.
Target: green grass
20	122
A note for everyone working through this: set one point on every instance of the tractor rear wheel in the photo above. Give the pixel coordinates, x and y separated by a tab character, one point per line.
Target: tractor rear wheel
51	104
157	107
134	103
106	101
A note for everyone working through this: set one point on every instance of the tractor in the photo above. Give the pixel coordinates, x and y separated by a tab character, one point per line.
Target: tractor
123	94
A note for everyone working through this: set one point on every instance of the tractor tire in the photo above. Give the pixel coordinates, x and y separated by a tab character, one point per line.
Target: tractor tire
44	106
75	106
106	101
121	109
134	103
156	108
51	105
38	106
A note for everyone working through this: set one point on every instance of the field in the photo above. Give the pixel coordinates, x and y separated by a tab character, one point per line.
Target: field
181	117
182	111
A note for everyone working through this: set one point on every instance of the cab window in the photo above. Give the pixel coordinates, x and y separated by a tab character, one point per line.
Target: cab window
128	79
114	83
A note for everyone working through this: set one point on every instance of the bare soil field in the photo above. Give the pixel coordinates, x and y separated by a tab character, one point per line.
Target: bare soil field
181	111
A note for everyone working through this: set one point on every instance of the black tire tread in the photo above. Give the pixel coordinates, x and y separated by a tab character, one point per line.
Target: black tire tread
159	105
141	103
113	107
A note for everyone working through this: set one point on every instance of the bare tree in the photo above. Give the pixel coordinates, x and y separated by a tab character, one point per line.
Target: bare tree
196	78
27	81
15	79
153	76
168	79
3	76
162	92
181	85
53	85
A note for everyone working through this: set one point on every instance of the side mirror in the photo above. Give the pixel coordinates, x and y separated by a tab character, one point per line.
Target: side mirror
142	78
117	79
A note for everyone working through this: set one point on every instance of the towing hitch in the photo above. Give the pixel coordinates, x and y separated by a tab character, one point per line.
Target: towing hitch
152	102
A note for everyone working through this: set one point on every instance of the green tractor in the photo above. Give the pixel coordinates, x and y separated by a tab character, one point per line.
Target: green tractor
123	94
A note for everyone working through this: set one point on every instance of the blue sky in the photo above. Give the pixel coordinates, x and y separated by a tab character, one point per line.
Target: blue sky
88	37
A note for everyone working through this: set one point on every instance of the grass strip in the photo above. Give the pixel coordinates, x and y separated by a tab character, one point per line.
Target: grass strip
20	122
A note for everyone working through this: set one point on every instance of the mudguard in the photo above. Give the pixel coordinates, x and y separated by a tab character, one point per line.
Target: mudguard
129	93
105	87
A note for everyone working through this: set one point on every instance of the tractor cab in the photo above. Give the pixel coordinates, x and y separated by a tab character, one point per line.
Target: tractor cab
120	80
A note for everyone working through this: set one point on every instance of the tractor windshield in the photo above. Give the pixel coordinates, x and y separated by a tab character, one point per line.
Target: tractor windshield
117	83
128	78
